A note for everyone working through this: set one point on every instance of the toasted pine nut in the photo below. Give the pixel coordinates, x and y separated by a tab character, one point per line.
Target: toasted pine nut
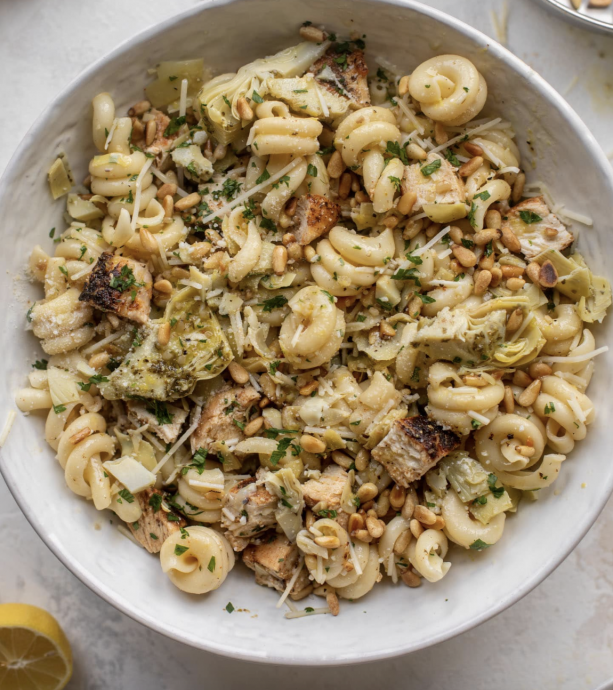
496	276
487	262
148	241
465	256
493	219
253	426
526	451
406	203
168	206
402	542
220	152
482	282
309	253
439	523
187	201
432	229
539	369
375	527
397	497
390	222
264	402
520	378
470	166
336	165
294	251
515	284
113	320
313	34
332	601
356	522
530	394
515	320
199	250
383	504
344	186
99	360
362	198
416	528
550	233
308	388
424	515
139	108
279	259
328	541
386	330
512	271
309	519
482	237
312	444
518	187
288	238
164	333
290	207
245	111
80	435
456	234
403	85
150	131
363	535
416	152
440	133
410	579
166	189
409	504
367	492
238	373
138	130
362	459
473	149
533	272
474	380
548	276
509	400
163	285
414	307
510	241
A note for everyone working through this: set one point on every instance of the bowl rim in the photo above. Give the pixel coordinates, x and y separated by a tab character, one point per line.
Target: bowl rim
585	21
539	575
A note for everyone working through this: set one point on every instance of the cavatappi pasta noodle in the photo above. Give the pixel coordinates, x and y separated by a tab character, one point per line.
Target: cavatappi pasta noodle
314	319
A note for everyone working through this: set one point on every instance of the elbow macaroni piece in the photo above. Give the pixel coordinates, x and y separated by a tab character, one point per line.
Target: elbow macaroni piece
364	582
102	120
426	555
465	531
203	565
449	89
248	255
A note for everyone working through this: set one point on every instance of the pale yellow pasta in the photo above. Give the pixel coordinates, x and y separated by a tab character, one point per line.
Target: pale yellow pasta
88	423
102	120
101	445
497	443
449	296
449	89
426	554
324	562
561	323
30	399
62	323
277	132
283	190
462	529
498	190
248	256
366	581
120	141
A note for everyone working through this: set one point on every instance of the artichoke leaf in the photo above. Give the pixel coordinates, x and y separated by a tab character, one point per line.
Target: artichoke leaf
574	275
198	349
523	350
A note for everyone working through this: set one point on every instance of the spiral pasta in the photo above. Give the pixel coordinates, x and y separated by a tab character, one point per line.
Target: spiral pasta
276	132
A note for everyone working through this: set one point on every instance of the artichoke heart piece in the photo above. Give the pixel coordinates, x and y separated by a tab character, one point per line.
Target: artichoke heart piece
574	275
466	475
377	347
457	335
166	88
594	307
301	95
198	350
445	213
219	97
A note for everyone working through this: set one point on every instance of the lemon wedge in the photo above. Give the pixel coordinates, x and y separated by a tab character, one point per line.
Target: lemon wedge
34	652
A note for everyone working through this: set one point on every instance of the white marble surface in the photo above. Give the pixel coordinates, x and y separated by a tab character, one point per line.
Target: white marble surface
560	636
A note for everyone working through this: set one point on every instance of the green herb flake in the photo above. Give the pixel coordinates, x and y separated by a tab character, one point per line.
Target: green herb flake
427	170
529	217
479	545
180	550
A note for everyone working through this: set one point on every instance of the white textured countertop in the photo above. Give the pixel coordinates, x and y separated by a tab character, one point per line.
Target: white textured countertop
559	636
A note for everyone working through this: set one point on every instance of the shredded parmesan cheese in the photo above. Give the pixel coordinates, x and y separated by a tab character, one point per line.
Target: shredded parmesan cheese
354	559
478	417
469	132
167	180
302	614
101	343
183	98
523	327
110	136
177	445
291	583
430	243
576	358
322	102
254	190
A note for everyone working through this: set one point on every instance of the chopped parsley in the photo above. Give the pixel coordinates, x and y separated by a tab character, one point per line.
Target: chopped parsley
497	491
273	303
427	170
263	177
394	149
475	424
229	607
550	408
311	170
407	274
279	453
451	157
174	125
268	224
282	180
426	299
529	217
469	244
124	280
331	514
415	374
40	364
360	318
381	75
485	195
256	98
211	566
95	379
155	501
126	495
479	545
395	181
471	214
180	550
59	409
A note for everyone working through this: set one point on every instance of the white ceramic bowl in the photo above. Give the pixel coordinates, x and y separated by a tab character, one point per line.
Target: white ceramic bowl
389	621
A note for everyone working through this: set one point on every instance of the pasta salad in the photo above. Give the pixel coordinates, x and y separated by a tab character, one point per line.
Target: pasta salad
311	317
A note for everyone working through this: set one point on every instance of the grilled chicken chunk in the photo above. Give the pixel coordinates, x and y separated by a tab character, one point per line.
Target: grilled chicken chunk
426	187
413	446
218	421
344	73
156	415
119	285
536	227
315	216
155	525
274	563
248	510
328	489
161	142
